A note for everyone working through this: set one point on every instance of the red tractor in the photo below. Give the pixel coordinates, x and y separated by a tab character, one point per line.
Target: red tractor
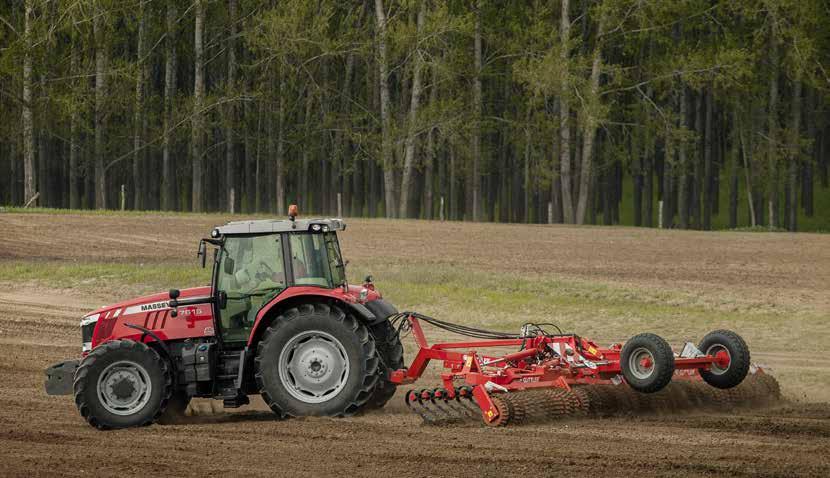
280	320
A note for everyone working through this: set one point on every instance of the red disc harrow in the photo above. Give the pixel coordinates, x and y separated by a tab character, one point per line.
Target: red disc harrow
550	370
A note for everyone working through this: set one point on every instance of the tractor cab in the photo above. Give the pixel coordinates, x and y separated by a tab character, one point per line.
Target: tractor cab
255	261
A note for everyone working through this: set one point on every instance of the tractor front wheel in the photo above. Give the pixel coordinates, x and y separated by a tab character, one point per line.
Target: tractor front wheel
733	355
647	363
316	360
122	384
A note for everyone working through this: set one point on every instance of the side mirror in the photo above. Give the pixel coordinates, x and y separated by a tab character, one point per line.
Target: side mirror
174	303
202	253
229	266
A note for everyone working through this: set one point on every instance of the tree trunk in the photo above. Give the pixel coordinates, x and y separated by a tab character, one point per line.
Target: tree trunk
707	163
696	219
747	177
138	124
305	193
431	155
734	165
589	129
453	186
565	116
772	129
28	123
668	176
100	113
42	173
197	131
385	118
230	120
258	169
682	171
474	178
168	195
409	148
74	119
279	163
526	182
795	155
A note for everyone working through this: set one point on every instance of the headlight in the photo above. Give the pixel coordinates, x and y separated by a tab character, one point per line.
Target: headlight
87	329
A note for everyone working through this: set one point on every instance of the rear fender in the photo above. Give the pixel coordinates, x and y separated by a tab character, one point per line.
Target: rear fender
295	296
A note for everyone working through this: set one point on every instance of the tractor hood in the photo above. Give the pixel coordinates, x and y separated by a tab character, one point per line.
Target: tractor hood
146	303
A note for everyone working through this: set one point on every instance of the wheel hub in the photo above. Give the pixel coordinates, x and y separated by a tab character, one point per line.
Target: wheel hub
314	366
641	363
124	388
722	359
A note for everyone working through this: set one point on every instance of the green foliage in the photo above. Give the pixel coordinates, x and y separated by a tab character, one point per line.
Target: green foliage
295	54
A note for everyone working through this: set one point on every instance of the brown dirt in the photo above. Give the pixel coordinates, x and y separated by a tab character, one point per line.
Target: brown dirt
41	435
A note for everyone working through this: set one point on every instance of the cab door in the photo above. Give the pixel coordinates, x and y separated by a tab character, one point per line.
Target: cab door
250	273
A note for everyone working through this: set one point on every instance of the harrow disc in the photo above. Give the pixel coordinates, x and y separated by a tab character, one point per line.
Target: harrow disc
546	405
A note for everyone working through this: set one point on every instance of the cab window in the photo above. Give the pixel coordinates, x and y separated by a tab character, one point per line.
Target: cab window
309	259
251	272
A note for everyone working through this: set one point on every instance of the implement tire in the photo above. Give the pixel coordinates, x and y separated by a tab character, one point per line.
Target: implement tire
122	384
739	359
647	363
316	360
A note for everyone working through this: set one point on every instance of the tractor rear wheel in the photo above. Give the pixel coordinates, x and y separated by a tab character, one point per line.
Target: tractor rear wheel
122	384
316	360
730	345
390	351
647	363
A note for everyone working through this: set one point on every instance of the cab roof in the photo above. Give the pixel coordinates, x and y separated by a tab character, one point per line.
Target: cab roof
264	226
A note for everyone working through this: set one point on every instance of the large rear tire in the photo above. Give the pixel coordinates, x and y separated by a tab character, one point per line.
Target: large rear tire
733	346
315	360
647	363
122	384
390	350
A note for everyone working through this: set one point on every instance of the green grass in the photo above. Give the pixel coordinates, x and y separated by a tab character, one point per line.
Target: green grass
501	302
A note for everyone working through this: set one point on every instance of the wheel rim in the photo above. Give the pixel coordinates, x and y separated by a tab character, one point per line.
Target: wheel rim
641	363
124	388
314	366
713	351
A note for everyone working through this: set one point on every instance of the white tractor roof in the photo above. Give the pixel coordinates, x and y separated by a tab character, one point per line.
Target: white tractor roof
264	226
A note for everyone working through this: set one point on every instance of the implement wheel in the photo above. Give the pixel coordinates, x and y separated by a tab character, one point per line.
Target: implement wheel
122	384
733	355
316	360
647	363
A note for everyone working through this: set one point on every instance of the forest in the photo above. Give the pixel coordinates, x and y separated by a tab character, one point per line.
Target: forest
692	114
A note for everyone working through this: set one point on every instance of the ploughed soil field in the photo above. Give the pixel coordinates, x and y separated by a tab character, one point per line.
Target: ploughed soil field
778	282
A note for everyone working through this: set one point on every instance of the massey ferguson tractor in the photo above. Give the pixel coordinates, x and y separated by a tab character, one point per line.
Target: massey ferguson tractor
280	320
